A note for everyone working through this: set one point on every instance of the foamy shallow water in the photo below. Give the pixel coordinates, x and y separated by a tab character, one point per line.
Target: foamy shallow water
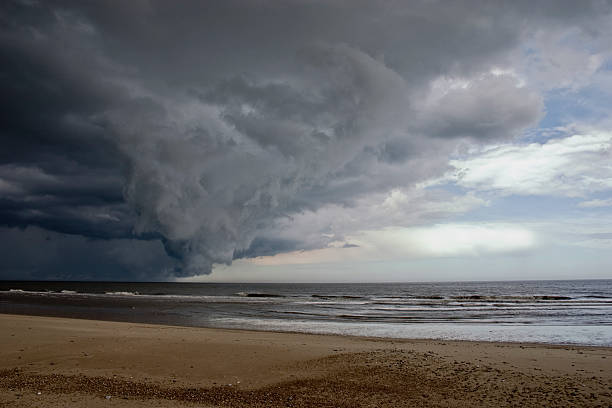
578	335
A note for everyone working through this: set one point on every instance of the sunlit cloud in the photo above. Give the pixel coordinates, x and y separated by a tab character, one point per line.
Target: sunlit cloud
573	166
445	240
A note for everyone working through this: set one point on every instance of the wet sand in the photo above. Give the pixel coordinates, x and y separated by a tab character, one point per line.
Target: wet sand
55	362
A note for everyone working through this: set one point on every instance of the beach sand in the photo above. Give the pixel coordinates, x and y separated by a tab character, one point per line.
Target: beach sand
53	362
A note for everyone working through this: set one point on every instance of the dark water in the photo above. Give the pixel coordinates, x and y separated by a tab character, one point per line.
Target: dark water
577	312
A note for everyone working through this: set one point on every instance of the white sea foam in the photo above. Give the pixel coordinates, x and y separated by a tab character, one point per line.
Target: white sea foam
585	335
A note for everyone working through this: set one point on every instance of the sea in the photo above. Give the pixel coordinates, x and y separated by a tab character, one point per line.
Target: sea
555	312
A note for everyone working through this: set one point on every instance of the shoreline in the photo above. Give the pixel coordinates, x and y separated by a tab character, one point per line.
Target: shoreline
305	333
558	312
180	365
499	328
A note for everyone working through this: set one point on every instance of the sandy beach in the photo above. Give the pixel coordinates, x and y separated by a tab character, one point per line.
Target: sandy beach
61	362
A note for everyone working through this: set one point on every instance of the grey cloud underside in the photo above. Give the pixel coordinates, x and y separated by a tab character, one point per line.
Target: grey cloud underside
197	125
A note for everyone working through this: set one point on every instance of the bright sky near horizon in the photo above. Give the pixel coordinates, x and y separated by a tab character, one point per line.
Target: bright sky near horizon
306	140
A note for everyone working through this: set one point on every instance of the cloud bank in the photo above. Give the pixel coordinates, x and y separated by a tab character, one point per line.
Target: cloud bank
437	241
213	129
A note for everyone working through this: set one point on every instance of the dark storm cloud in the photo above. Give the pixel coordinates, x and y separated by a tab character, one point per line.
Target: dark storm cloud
197	124
58	168
37	254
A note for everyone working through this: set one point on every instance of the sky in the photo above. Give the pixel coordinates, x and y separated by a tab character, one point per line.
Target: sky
305	140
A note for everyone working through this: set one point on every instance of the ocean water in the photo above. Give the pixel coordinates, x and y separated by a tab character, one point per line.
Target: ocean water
557	312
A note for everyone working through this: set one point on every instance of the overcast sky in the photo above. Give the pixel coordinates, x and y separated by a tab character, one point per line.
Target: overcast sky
305	140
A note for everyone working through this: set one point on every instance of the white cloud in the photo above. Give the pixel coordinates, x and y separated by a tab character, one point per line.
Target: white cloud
443	240
596	203
406	207
573	166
